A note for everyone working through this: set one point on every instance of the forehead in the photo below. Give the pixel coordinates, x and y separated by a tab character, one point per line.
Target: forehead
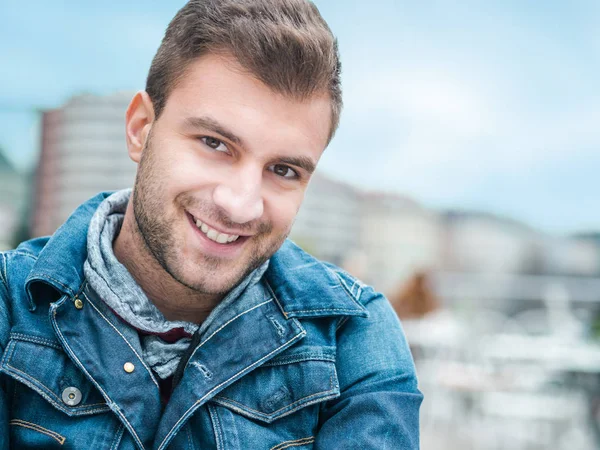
218	87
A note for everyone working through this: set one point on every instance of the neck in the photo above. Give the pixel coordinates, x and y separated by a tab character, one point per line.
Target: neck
174	300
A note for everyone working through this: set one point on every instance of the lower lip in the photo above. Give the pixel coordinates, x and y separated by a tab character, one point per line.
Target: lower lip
213	247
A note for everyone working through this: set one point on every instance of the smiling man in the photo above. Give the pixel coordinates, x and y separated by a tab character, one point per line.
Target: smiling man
176	315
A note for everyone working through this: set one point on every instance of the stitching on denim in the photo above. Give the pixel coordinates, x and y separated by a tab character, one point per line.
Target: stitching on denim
243	407
227	323
298	358
118	437
67	288
189	436
294	443
249	367
22	423
214	416
30	381
122	337
36	340
324	310
3	271
341	323
285	314
300	403
51	397
22	253
348	292
116	408
278	327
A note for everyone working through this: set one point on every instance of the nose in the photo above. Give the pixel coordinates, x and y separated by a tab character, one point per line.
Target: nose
240	196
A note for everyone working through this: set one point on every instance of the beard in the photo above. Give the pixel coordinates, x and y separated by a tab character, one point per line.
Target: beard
158	229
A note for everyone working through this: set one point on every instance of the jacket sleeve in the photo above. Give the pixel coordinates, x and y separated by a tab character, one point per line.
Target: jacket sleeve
4	331
379	401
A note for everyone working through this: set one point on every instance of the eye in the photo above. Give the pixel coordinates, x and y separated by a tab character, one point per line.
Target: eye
213	143
283	171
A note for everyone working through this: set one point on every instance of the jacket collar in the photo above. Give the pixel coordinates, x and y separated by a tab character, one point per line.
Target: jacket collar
60	263
303	286
306	287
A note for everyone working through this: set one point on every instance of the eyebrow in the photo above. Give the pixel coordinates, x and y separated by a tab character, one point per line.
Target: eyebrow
211	124
303	162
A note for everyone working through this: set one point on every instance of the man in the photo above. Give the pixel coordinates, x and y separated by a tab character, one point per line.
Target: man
177	315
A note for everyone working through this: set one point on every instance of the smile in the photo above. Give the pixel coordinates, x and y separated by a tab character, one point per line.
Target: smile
215	235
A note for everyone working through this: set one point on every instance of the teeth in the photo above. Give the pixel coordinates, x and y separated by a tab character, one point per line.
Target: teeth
214	235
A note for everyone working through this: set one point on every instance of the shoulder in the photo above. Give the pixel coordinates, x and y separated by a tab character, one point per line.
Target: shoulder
15	266
17	263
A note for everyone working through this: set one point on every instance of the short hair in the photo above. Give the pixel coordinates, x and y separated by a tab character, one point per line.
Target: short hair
286	44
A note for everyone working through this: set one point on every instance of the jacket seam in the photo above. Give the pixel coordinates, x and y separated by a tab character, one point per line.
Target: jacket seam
294	443
22	253
35	340
293	405
300	358
49	396
285	314
216	422
250	366
122	337
347	290
3	271
23	423
225	325
114	407
118	437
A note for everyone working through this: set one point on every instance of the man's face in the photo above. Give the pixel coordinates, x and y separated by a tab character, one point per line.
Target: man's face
223	173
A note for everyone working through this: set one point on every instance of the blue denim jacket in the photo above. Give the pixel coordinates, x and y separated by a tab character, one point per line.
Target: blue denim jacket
318	361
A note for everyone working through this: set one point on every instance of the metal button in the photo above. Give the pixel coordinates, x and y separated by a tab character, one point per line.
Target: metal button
71	396
128	367
78	303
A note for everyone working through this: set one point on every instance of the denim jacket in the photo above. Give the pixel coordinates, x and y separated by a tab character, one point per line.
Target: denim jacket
319	362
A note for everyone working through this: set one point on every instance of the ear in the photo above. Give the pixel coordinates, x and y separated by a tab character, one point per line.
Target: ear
138	122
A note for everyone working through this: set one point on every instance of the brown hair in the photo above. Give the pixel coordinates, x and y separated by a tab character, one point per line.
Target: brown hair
286	44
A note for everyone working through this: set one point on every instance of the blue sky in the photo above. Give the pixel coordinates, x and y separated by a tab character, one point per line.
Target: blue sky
489	105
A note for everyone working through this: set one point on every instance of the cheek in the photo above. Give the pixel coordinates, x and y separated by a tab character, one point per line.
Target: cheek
283	210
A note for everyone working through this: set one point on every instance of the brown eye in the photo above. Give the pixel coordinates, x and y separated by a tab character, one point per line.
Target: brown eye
283	171
213	143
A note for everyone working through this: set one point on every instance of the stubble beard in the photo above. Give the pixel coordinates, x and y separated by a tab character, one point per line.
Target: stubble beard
157	232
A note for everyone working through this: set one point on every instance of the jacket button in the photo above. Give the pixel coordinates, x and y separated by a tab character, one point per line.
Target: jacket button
78	303
128	367
71	396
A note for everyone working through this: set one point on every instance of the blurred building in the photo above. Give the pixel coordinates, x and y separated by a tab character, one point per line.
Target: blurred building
13	198
382	238
328	224
399	238
571	256
485	243
83	152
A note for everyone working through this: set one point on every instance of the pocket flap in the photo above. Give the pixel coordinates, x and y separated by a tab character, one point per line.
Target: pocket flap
284	385
43	366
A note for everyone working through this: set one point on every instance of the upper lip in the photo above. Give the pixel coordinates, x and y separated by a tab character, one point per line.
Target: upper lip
217	228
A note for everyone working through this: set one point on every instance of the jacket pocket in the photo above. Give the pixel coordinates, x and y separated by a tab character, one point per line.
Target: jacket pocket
42	366
291	381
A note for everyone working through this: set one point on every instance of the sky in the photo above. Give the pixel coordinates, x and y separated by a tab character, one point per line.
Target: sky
475	105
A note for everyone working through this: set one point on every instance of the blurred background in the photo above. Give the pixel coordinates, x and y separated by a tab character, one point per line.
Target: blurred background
462	182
